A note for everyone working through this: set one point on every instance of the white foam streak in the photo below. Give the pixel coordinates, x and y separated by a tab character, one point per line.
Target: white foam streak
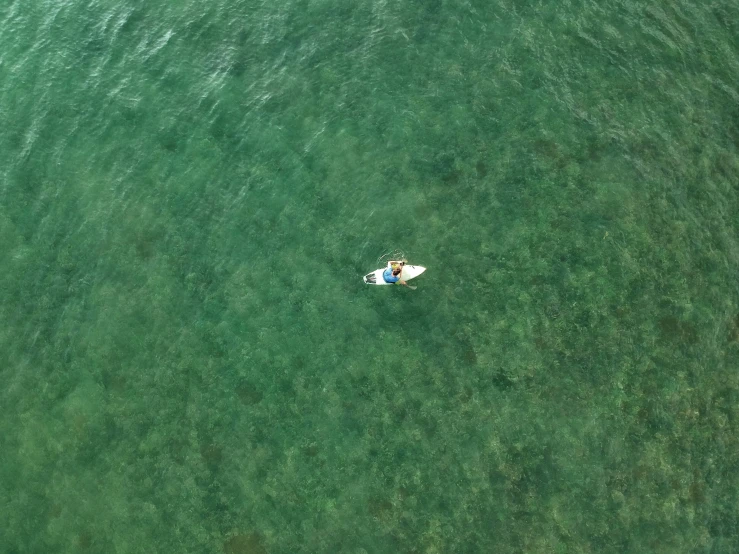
149	46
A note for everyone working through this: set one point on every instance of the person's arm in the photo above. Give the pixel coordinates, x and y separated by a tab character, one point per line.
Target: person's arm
402	265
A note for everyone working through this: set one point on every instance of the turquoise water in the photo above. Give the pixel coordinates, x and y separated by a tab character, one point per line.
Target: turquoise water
190	193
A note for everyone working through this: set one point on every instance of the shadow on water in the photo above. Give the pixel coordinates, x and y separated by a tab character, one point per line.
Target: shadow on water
251	543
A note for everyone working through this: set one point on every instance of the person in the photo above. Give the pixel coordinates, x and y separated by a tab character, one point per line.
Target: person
393	271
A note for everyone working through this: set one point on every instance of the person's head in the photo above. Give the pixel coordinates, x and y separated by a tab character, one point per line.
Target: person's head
396	270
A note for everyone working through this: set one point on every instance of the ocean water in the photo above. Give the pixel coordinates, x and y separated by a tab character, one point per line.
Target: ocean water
190	193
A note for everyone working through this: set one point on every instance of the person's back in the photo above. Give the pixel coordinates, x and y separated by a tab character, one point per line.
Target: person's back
392	272
391	275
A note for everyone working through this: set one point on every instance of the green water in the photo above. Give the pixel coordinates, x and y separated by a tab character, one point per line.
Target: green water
190	193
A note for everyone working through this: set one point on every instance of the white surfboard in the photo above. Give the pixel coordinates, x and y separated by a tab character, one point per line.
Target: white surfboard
409	272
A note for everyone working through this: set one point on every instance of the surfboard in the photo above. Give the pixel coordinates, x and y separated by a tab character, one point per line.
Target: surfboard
409	272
